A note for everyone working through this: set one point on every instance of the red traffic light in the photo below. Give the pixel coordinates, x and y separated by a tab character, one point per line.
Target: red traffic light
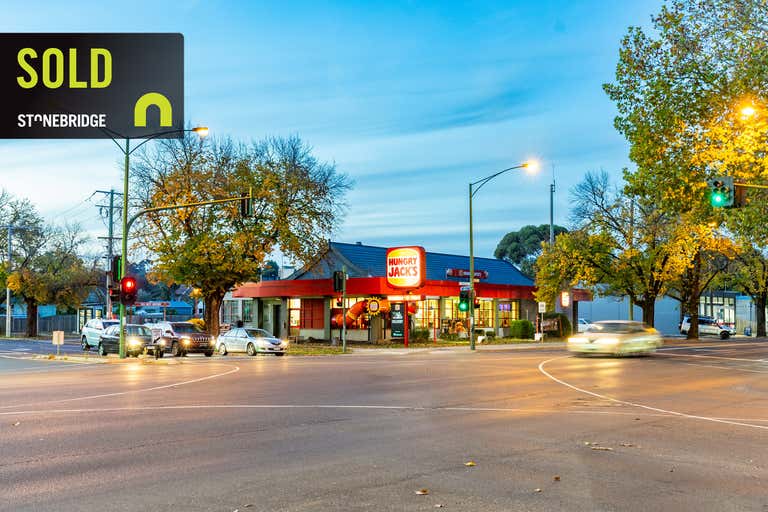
128	290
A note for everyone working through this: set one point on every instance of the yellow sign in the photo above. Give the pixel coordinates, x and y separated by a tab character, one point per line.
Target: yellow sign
406	267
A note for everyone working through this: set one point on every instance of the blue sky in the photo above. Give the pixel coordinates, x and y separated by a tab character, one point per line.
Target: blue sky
412	99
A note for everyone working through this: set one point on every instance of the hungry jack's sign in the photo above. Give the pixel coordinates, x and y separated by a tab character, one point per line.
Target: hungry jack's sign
406	267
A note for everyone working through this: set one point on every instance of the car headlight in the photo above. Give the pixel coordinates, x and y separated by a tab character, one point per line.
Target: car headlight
161	342
575	339
186	341
133	342
609	341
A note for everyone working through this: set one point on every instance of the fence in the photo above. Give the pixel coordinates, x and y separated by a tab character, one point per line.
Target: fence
45	325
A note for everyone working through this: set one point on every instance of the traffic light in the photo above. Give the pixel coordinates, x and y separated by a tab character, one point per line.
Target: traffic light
721	193
246	206
128	290
464	300
477	303
338	280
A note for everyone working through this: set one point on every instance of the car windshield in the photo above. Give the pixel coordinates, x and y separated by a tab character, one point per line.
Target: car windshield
258	333
137	330
108	323
614	327
184	327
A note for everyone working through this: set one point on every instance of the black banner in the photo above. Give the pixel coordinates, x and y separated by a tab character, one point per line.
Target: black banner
398	319
73	86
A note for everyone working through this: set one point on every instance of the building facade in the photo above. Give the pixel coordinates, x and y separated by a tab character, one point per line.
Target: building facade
305	305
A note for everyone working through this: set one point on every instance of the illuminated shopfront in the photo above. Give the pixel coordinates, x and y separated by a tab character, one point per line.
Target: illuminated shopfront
305	305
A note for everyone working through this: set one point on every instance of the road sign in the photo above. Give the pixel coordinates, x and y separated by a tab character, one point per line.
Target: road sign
542	307
58	337
155	303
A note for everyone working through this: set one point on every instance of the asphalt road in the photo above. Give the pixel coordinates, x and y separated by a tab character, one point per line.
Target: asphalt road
685	429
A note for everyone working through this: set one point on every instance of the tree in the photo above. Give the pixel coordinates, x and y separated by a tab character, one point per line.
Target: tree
52	272
297	202
270	271
750	275
521	248
623	245
677	91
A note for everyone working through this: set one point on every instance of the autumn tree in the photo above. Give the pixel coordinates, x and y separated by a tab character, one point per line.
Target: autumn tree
678	90
621	245
521	248
297	203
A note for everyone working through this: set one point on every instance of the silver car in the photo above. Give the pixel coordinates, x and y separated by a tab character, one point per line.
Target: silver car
250	341
616	337
93	328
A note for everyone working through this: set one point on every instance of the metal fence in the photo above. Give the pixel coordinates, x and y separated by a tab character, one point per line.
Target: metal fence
45	325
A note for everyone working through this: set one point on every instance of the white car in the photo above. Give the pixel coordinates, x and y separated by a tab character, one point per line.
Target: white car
583	324
616	337
250	341
93	328
708	325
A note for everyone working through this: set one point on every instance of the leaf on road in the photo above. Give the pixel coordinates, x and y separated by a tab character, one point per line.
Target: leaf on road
627	445
439	505
602	448
422	491
17	424
556	478
470	463
538	489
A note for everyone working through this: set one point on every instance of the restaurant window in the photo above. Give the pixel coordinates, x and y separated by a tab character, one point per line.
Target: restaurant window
248	310
484	314
294	316
508	311
312	312
230	311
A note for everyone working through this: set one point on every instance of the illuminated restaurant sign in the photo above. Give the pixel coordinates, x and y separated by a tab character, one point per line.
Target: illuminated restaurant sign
464	272
406	267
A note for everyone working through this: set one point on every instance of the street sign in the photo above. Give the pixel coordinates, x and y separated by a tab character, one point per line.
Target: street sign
58	337
542	307
155	303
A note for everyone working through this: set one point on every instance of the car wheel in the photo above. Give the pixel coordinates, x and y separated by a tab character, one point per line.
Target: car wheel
102	350
279	354
175	351
724	335
209	353
222	349
84	344
161	353
251	349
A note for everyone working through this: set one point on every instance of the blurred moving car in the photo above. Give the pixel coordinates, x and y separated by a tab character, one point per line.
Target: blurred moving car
182	338
89	335
708	325
583	324
250	341
617	337
137	338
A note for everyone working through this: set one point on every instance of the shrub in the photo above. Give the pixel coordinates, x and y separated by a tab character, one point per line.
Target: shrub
420	335
521	329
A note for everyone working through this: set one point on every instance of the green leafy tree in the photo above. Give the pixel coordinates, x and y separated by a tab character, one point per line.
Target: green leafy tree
749	274
678	90
521	248
297	202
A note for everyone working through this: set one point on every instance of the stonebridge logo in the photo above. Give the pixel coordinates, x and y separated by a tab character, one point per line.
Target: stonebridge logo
74	86
406	267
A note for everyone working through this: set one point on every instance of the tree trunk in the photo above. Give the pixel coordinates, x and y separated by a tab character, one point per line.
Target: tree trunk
211	315
760	314
693	300
31	317
649	311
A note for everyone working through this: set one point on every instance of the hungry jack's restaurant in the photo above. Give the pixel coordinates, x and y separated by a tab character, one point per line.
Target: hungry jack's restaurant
305	306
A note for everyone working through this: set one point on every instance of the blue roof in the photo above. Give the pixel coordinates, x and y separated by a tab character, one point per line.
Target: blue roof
370	261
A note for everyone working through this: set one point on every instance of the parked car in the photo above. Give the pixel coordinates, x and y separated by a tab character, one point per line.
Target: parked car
708	325
89	335
137	338
583	324
182	338
250	341
616	337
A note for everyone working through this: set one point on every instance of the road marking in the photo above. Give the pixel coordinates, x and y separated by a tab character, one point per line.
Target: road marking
717	357
731	368
119	393
647	407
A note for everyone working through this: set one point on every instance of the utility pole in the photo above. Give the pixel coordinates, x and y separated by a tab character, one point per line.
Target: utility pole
111	230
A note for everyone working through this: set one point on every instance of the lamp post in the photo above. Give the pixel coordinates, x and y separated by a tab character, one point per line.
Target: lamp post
202	131
474	187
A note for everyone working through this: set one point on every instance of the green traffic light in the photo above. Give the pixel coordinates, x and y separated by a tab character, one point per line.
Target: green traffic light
717	199
463	306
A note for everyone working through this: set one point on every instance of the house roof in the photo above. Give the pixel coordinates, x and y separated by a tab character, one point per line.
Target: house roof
370	261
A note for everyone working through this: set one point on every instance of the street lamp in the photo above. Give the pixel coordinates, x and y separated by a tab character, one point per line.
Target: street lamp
532	166
201	131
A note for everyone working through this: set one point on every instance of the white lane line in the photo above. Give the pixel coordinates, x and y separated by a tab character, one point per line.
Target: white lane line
729	368
647	407
118	393
717	357
351	407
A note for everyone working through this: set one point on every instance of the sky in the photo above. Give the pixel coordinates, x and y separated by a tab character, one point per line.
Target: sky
413	100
